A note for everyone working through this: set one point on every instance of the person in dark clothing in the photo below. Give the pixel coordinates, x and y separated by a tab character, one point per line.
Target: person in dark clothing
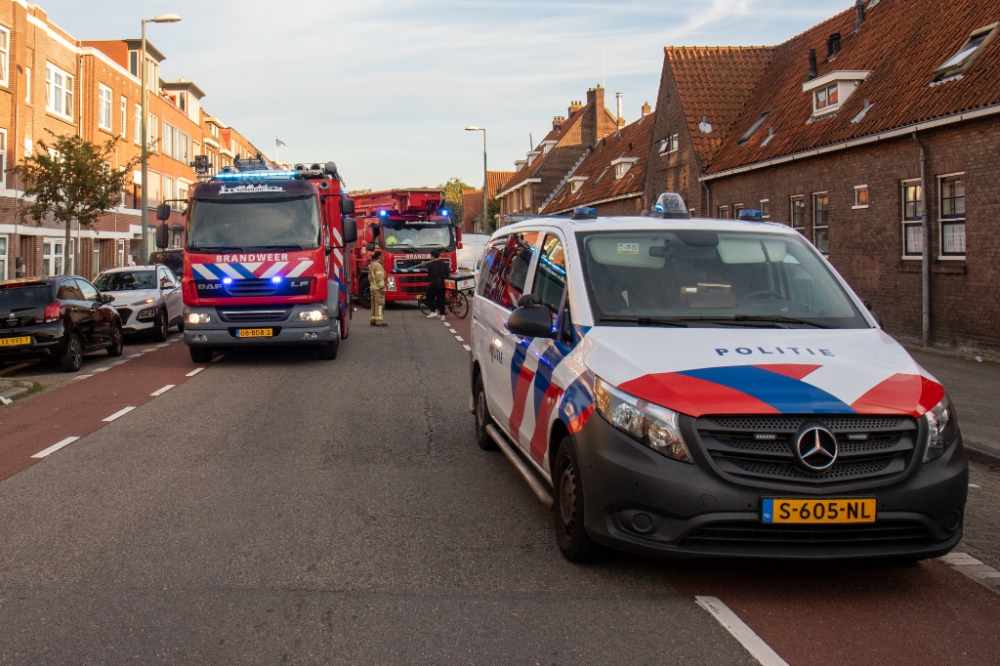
437	272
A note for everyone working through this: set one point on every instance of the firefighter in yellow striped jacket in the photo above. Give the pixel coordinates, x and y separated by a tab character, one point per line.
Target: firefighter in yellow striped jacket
376	284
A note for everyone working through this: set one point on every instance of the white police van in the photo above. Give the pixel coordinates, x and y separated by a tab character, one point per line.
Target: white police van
697	387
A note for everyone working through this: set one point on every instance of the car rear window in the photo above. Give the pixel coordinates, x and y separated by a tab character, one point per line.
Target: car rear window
14	298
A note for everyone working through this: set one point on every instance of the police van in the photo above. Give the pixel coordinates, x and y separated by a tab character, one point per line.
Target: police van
698	387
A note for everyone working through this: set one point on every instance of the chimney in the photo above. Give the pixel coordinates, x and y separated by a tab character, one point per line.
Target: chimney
575	106
812	64
618	111
860	7
835	42
646	109
595	124
557	122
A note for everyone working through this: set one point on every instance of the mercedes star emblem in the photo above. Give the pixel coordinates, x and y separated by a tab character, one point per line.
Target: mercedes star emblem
817	448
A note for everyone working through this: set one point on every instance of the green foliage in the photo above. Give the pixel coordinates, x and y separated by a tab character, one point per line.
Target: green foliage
493	209
453	191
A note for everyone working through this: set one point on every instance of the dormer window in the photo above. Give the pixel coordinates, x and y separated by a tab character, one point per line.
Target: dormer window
965	55
532	155
519	164
576	183
546	146
830	91
622	165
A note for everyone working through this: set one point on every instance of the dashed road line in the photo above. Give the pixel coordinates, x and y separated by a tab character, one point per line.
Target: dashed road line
120	413
136	355
107	367
55	447
194	372
467	348
158	392
453	331
81	377
460	338
753	643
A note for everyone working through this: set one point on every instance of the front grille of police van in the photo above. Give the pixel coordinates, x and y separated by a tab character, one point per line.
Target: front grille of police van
763	447
251	288
412	284
244	315
758	535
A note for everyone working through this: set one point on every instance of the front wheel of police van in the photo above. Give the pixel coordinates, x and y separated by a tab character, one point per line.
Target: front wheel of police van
201	354
568	510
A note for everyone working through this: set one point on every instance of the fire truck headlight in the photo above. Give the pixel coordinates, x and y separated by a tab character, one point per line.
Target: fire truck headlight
198	318
312	315
390	283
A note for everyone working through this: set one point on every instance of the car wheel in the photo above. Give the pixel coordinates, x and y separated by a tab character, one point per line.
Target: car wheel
568	509
328	352
180	326
72	360
201	354
160	326
364	294
117	341
483	418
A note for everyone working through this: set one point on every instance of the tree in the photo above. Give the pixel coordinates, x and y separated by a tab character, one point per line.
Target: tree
492	212
453	191
72	179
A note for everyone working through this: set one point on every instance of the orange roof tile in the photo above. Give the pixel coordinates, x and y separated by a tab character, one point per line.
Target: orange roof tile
496	180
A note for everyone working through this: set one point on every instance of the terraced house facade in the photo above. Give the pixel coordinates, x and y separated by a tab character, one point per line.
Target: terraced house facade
52	84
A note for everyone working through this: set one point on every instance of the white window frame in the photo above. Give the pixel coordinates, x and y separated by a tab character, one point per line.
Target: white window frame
137	120
27	85
3	159
826	221
765	214
951	219
828	106
124	115
861	206
95	262
65	91
916	220
4	256
53	257
121	253
104	96
4	55
792	200
152	133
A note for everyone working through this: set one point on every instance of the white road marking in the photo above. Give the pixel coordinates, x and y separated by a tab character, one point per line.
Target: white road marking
120	413
453	331
194	372
972	485
81	377
136	355
460	338
467	348
218	358
760	650
55	447
125	360
107	367
157	393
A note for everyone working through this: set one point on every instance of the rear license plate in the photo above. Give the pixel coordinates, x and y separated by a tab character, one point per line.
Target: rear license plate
255	332
15	342
818	511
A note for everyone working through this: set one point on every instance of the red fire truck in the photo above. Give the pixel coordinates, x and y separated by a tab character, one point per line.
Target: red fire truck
407	225
264	260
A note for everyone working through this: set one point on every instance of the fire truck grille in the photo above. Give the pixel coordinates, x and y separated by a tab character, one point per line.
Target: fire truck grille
412	284
243	315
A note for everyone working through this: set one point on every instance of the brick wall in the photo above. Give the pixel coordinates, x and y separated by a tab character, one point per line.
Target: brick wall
866	245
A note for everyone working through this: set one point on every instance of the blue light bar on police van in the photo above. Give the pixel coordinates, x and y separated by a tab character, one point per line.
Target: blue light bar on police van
671	205
584	213
751	215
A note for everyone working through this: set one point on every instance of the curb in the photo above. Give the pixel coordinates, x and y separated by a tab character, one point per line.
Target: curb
15	392
982	456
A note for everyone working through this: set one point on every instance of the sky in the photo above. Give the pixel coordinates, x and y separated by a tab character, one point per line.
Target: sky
385	88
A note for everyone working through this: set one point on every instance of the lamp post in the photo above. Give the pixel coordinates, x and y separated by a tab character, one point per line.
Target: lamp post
144	245
486	179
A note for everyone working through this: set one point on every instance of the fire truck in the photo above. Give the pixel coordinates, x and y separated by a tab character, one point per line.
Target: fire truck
264	258
406	225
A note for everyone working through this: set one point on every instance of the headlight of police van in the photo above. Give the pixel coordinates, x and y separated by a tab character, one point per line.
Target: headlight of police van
198	318
656	427
390	283
942	429
312	315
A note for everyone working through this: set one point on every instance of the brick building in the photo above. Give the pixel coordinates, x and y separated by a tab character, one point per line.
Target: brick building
545	167
53	82
472	200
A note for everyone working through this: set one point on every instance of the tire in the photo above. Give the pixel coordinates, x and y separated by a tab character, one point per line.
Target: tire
160	328
72	360
328	352
568	510
364	293
117	341
201	354
422	303
180	326
458	304
483	419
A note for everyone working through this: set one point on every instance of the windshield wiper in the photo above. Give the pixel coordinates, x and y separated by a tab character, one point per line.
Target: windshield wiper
264	248
215	248
740	320
647	321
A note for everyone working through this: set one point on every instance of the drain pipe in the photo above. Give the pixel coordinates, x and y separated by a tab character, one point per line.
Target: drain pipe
708	198
925	259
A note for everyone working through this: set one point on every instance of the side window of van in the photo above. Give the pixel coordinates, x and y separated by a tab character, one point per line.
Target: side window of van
505	269
550	283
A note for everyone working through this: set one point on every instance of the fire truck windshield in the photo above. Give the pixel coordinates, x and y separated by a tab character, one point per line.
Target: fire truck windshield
246	224
399	236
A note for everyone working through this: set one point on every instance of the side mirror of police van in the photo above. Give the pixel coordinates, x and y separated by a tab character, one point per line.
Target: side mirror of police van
163	212
347	206
162	236
531	322
350	229
875	315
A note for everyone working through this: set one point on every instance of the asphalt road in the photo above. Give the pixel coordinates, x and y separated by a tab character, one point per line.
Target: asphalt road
275	508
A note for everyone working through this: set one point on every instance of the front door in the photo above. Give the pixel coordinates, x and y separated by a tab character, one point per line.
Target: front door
100	321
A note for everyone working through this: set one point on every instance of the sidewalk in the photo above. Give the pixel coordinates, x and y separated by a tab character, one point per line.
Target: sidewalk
974	388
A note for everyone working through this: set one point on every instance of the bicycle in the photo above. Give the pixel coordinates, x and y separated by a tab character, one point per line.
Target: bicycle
456	302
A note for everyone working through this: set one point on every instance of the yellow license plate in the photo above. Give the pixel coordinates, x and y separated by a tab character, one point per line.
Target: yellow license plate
14	342
818	511
255	332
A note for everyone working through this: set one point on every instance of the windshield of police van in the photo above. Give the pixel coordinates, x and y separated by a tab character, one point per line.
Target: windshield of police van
254	224
696	278
126	281
400	237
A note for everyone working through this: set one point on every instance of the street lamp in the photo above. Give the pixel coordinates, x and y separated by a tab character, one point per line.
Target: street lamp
144	245
486	178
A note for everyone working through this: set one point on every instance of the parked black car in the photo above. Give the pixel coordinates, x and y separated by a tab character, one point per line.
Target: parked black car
172	259
58	319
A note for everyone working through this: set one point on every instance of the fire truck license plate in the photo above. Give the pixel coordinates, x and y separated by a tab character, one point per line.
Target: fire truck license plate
14	342
255	332
818	511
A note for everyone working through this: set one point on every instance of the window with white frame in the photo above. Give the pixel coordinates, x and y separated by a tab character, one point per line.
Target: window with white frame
53	256
826	98
798	212
3	158
138	124
952	215
3	257
176	144
670	144
170	190
103	107
765	208
913	201
4	56
59	92
860	197
821	222
121	253
124	116
169	131
152	133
